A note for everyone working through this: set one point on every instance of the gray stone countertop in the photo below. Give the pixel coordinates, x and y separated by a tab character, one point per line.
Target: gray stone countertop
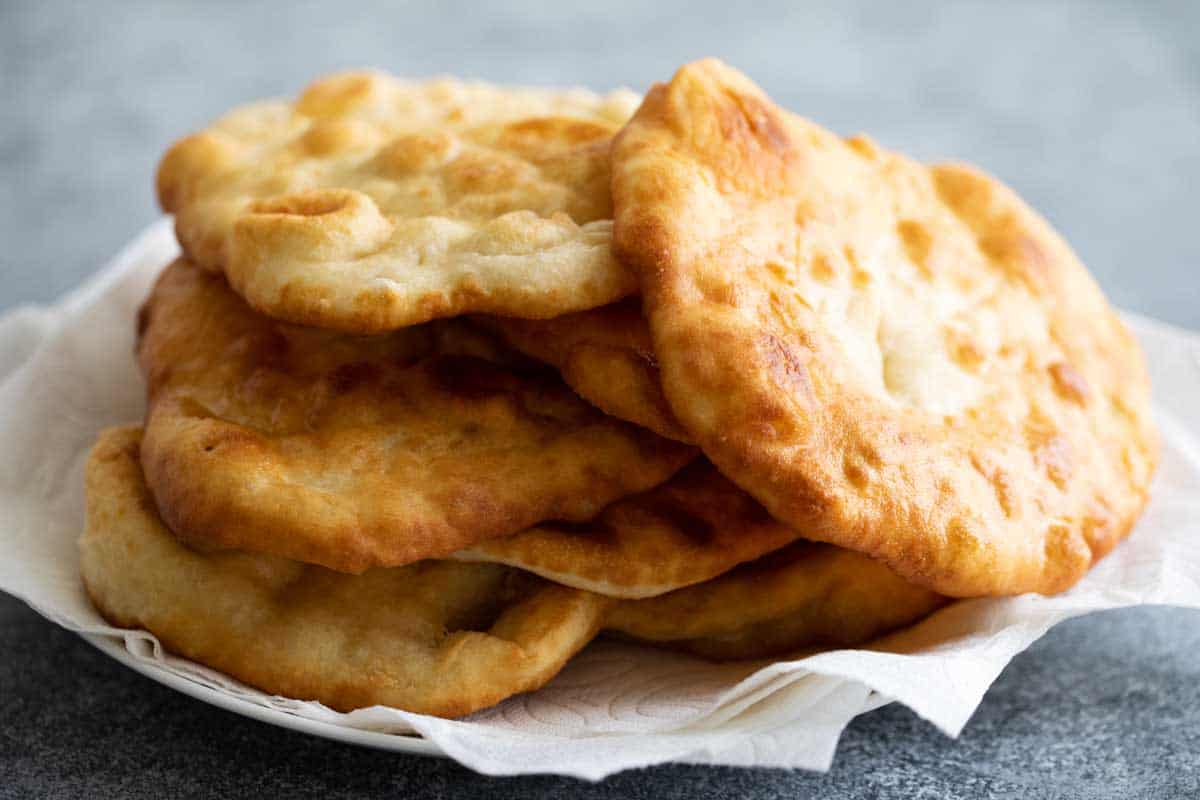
1090	110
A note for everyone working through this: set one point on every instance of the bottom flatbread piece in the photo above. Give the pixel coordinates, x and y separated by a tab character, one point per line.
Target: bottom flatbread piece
435	637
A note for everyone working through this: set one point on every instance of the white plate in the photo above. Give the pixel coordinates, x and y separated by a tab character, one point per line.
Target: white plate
401	743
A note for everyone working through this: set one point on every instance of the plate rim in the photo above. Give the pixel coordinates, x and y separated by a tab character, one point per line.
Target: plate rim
411	744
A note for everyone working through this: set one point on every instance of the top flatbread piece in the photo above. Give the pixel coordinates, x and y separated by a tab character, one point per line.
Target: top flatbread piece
371	203
903	360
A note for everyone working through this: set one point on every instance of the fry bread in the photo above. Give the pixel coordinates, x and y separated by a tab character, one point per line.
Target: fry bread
439	637
355	452
371	203
902	360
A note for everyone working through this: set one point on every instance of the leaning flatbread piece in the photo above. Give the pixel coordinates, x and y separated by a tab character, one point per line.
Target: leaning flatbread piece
439	637
353	452
805	595
903	360
371	203
692	528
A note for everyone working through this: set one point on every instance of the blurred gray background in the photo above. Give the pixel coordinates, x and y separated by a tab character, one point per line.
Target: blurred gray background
1090	110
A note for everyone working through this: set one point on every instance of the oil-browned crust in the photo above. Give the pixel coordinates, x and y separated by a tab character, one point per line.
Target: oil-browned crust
691	528
371	203
605	355
355	452
905	361
441	638
803	596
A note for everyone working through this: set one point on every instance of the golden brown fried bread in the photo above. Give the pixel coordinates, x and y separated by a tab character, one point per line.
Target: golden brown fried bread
441	637
605	355
691	528
354	452
905	361
370	203
438	637
804	595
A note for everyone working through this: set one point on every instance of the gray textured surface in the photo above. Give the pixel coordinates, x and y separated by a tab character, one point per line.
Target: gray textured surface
1106	707
1092	111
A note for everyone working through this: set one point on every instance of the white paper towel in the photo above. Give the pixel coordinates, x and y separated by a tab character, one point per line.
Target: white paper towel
68	370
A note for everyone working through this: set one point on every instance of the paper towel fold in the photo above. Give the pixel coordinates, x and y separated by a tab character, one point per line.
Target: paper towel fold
68	370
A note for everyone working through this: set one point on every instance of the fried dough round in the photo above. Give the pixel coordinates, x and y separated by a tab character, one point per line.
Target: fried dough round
353	452
901	360
605	355
371	203
802	596
690	529
441	638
